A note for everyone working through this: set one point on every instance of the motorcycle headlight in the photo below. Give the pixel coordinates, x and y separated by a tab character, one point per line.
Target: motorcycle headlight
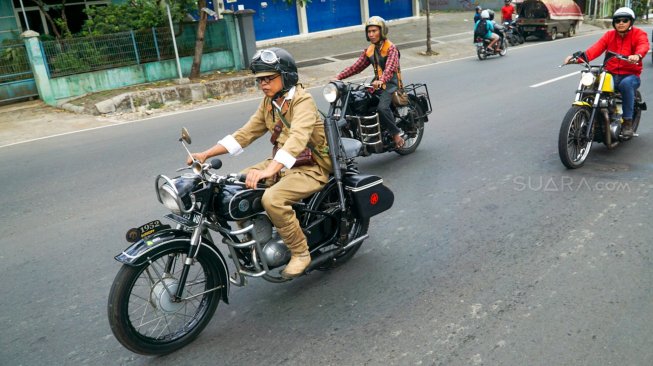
176	194
587	79
330	92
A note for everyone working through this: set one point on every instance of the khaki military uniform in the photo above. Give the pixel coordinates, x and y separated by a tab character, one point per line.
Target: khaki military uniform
294	183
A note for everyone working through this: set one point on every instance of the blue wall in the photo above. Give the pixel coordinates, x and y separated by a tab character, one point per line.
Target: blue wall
329	14
277	19
393	10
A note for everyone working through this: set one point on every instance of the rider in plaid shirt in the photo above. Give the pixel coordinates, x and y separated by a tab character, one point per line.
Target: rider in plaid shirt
384	56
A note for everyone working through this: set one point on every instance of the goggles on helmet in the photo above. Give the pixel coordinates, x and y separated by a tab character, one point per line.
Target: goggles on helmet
267	56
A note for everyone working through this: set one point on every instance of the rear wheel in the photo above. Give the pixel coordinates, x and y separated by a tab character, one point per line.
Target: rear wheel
572	31
144	316
553	35
481	53
573	147
412	131
328	201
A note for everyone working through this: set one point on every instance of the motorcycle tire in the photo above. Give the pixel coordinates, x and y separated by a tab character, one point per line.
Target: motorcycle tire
142	315
572	147
482	55
520	39
411	144
504	48
325	201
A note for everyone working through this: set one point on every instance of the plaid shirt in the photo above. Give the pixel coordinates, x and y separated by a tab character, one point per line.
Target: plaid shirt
391	66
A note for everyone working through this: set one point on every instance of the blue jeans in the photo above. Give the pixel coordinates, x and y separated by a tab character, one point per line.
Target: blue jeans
627	84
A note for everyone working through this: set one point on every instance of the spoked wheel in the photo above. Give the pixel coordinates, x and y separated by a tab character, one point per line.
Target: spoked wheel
573	148
328	201
145	317
412	132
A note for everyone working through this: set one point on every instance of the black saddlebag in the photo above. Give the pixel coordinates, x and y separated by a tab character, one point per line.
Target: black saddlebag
369	194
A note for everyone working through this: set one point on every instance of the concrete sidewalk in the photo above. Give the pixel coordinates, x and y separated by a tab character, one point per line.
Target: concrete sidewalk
320	56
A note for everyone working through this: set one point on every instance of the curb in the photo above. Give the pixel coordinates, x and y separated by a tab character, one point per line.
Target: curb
139	101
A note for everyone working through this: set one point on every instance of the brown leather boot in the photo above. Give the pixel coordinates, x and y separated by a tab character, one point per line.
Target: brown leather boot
300	258
297	265
627	128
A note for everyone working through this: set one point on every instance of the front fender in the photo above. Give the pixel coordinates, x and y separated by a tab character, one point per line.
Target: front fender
582	104
139	253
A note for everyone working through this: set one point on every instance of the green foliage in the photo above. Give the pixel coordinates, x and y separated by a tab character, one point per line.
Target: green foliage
78	59
134	15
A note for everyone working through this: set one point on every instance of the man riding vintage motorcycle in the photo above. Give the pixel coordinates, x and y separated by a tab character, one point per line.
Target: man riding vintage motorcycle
299	167
383	55
626	40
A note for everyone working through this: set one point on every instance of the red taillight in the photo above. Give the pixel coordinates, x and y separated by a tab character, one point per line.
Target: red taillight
374	199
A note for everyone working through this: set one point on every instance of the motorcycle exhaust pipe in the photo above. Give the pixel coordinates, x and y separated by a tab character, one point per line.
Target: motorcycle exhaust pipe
332	254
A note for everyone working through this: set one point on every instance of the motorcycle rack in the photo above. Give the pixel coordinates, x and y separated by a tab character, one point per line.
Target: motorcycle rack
369	129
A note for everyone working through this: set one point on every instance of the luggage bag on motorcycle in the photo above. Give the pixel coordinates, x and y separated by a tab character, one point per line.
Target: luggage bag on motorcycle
369	194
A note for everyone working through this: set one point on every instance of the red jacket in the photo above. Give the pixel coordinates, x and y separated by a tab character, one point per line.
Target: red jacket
633	43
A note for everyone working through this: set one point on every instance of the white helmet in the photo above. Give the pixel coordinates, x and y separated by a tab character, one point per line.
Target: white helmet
485	14
624	13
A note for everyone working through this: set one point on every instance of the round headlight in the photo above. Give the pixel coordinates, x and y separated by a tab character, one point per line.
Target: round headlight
587	79
330	92
169	198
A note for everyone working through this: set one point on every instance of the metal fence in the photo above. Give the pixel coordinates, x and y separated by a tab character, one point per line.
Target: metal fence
14	64
85	54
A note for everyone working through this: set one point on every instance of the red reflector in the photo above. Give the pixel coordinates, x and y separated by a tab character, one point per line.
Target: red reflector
374	199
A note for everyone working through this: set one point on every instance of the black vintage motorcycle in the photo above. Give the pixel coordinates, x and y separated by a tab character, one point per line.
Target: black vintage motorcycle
595	114
355	106
173	277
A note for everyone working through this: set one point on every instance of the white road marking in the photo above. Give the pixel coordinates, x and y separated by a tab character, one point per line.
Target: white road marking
554	79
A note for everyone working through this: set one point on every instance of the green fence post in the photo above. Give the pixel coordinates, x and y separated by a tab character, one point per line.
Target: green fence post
38	64
232	38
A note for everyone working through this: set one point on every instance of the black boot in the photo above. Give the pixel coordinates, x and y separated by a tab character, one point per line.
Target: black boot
627	128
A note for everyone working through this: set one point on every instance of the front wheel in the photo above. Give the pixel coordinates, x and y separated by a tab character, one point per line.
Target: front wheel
504	48
573	147
413	130
143	314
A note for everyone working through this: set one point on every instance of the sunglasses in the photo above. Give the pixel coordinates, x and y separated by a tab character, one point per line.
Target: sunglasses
267	56
266	79
622	20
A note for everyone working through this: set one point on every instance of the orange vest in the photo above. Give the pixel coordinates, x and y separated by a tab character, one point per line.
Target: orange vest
383	52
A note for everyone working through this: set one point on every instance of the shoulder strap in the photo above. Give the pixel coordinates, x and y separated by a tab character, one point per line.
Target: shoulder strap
285	122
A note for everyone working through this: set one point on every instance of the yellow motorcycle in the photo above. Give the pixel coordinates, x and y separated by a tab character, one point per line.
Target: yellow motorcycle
595	114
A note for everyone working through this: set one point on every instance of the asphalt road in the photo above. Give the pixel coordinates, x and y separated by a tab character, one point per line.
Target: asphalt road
494	253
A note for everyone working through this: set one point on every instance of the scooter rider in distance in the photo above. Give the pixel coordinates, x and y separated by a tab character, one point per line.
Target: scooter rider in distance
384	56
627	40
487	32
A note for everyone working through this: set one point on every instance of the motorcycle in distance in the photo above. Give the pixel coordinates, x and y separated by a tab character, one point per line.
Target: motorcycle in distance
595	114
482	50
354	106
172	278
513	34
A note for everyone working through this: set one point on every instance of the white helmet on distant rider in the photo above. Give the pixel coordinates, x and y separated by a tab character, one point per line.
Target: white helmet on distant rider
485	14
622	14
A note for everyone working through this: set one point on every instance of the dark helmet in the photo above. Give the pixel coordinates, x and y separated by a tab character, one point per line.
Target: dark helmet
491	14
377	21
275	60
478	8
624	12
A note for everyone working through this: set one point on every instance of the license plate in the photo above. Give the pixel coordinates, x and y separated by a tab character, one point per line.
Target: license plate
189	220
138	233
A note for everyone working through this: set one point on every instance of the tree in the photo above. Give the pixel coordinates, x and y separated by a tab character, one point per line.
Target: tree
58	25
199	41
429	51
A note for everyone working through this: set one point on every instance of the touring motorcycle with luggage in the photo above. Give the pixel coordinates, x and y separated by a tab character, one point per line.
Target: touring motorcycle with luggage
595	114
354	107
173	276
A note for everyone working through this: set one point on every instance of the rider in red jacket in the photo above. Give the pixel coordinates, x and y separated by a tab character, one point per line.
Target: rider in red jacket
629	41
